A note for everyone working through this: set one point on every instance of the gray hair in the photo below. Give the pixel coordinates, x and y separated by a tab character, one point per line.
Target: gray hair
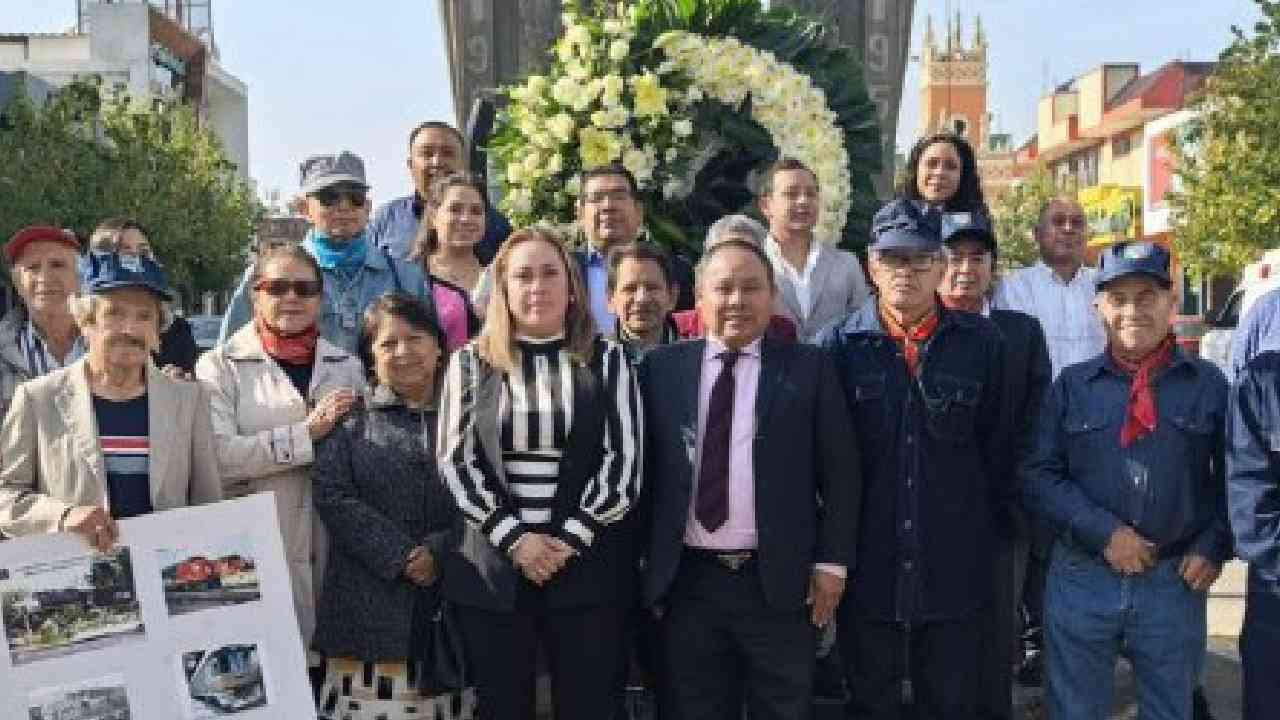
736	224
710	251
84	310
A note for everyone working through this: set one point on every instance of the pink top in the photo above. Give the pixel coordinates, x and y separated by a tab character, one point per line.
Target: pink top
454	314
738	531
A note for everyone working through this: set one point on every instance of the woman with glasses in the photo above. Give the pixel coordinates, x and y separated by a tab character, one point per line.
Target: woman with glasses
453	222
354	271
277	388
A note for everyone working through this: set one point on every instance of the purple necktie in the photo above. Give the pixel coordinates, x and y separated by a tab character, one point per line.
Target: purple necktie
712	507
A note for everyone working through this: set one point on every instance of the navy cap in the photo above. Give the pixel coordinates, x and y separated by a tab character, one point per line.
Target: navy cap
1134	258
970	225
111	271
902	234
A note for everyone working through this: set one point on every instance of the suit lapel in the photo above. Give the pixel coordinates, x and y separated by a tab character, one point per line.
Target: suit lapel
691	367
161	406
772	372
75	403
821	271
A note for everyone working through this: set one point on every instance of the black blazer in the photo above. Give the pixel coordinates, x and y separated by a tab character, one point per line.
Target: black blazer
808	483
479	574
1028	373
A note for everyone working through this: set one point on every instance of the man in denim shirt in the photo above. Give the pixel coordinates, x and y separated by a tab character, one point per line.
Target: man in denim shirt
1128	468
924	384
355	271
1253	494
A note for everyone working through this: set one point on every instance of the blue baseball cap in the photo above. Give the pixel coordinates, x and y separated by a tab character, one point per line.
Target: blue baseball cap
971	225
1134	258
111	271
902	234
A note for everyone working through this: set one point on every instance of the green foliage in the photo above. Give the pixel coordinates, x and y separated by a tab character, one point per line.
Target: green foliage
1228	210
1016	212
83	157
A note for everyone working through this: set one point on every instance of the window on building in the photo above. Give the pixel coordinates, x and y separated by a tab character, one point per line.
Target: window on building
1121	146
959	126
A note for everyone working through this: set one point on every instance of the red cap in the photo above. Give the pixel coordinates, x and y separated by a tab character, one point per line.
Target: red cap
38	233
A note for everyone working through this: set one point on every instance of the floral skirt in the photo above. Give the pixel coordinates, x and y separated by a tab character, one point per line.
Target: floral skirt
359	690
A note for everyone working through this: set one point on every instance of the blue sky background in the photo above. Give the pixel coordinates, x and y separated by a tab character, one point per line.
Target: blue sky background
327	75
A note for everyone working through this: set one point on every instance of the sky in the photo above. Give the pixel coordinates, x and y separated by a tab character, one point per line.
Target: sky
329	75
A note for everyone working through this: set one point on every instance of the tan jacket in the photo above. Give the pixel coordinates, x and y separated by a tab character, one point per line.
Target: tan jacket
50	457
260	434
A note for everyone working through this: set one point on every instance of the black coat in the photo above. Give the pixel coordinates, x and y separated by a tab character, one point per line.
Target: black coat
379	494
1028	374
178	346
807	478
933	471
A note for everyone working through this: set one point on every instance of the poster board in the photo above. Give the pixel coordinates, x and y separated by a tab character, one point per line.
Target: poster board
189	617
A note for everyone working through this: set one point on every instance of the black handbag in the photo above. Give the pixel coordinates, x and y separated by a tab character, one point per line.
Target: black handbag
439	651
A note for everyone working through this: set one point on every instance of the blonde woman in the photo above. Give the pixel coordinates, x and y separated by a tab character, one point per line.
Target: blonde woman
539	442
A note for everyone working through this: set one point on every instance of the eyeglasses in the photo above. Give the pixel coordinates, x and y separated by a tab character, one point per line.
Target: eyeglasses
280	287
1066	222
329	198
918	262
962	259
615	196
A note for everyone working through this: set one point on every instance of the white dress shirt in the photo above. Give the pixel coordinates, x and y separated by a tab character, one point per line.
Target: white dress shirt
799	279
1072	327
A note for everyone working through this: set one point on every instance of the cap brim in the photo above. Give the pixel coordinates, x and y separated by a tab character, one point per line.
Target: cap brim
904	241
162	293
1105	280
332	181
13	251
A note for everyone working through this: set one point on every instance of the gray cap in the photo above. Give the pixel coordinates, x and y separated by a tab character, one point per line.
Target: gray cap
324	171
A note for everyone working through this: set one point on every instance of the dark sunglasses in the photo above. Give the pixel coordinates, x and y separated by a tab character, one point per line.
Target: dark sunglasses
329	198
280	288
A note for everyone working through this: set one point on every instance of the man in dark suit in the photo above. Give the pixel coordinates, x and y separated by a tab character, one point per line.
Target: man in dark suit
969	245
753	488
610	214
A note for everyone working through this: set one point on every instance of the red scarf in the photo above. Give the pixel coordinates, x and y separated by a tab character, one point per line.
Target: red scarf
962	302
1140	415
912	338
297	349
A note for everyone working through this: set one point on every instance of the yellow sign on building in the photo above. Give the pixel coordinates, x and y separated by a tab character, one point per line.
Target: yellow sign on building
1113	213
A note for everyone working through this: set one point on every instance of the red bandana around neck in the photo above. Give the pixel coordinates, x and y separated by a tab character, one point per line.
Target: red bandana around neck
912	338
297	349
1140	415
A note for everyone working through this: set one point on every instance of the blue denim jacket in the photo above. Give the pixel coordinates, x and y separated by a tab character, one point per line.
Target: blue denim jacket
1256	332
1168	486
1253	465
394	225
344	303
930	466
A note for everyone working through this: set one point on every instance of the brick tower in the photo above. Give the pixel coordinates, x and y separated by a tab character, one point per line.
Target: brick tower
953	84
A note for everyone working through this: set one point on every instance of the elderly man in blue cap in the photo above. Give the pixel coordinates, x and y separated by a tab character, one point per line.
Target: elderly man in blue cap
924	384
109	436
1127	466
356	271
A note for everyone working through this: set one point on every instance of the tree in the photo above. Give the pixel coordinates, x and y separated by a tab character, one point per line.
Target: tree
1228	159
83	157
1016	212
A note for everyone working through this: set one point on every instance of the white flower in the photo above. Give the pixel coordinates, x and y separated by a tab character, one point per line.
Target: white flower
555	163
640	163
562	127
520	201
573	186
682	128
618	50
577	70
578	35
615	27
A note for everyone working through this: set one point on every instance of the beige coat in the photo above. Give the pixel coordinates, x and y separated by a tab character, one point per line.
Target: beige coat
260	434
50	457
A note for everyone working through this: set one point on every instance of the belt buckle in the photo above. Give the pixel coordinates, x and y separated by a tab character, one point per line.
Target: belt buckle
733	561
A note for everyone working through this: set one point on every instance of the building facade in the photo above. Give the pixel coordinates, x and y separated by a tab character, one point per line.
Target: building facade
159	49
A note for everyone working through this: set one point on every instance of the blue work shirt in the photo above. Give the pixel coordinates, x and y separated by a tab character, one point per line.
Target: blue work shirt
931	474
1169	486
345	298
1259	331
394	225
1253	465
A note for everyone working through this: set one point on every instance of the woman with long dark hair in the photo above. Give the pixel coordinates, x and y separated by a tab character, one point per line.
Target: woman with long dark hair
941	177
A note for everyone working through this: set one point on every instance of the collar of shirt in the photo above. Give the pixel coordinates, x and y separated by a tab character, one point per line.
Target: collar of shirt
774	250
1082	275
594	255
715	347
